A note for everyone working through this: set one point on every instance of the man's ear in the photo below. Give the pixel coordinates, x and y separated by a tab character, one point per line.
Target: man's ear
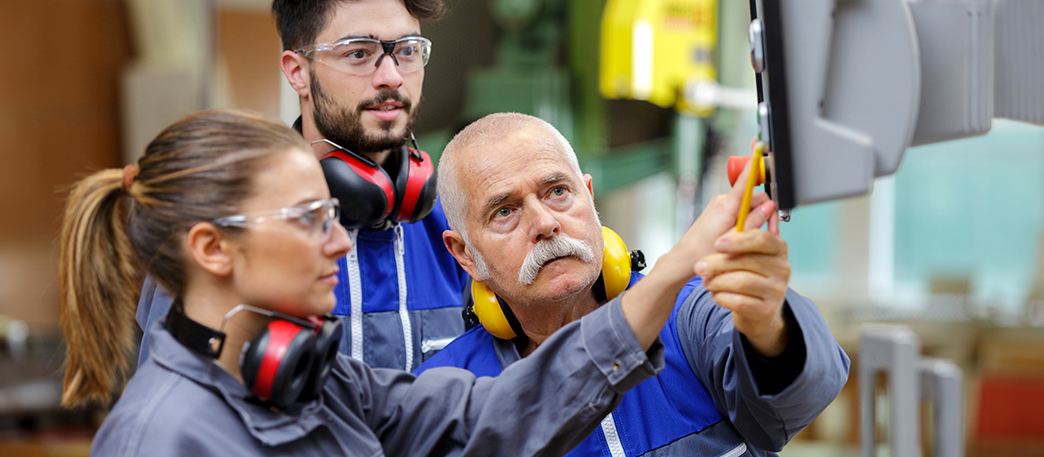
210	248
590	184
455	244
295	68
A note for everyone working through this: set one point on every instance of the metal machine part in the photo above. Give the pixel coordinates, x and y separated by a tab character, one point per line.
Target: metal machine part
955	40
941	385
1018	63
846	87
912	379
757	46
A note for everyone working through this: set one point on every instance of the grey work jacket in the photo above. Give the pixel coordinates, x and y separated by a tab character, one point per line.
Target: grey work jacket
543	405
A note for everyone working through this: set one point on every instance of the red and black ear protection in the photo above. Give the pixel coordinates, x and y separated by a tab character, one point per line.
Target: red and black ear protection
287	361
369	195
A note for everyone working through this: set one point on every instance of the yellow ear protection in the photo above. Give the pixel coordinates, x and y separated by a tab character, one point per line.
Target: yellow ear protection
497	318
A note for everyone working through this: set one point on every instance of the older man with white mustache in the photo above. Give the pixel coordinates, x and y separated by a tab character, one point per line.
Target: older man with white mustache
749	362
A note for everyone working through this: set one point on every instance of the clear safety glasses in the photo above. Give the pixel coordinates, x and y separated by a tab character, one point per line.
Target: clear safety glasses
316	218
362	56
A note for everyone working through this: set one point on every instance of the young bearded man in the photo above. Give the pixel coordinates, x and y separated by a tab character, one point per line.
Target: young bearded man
358	67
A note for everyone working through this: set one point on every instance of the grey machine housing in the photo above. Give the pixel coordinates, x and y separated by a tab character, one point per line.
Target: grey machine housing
845	86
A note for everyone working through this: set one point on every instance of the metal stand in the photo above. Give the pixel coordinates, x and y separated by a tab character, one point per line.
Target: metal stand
911	379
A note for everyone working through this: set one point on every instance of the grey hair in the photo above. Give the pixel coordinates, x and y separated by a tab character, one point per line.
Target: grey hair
485	131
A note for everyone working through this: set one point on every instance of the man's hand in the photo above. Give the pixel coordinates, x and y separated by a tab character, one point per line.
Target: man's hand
721	214
648	304
748	275
717	219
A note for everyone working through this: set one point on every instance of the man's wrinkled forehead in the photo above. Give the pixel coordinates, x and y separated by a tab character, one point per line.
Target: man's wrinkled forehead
499	167
527	143
531	141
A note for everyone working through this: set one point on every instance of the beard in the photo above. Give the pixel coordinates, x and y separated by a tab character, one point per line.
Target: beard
343	124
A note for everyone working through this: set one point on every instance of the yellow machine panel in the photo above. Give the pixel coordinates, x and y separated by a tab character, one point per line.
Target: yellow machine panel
652	48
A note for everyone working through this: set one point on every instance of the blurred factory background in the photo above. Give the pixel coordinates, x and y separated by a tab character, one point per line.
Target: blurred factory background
655	95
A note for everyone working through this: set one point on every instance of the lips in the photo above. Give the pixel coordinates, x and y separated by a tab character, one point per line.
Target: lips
386	111
330	278
549	262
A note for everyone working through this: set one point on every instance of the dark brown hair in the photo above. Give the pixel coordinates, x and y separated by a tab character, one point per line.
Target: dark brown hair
115	229
300	21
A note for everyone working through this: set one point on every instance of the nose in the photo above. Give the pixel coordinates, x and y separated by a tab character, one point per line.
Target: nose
339	243
542	221
387	75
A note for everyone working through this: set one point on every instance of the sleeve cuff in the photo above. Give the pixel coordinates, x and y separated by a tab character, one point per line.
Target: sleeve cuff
613	348
773	374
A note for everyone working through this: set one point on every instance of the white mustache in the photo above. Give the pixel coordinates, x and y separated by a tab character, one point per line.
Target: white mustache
549	249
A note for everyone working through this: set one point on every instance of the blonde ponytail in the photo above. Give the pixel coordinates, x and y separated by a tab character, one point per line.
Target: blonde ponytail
100	281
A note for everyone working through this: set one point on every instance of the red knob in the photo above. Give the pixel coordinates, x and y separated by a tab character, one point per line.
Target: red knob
736	166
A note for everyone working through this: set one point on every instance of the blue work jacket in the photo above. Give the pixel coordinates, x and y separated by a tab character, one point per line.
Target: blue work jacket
706	402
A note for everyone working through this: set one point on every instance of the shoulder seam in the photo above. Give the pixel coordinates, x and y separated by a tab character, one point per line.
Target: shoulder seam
146	414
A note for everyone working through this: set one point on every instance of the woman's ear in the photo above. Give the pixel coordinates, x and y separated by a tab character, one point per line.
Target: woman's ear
210	248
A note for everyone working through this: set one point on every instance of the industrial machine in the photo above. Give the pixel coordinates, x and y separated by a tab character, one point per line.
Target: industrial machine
651	50
846	86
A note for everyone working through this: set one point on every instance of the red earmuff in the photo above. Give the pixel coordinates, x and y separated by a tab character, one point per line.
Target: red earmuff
369	195
416	184
365	190
288	362
276	362
327	342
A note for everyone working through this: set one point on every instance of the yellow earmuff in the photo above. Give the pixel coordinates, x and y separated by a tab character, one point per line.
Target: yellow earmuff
492	312
617	263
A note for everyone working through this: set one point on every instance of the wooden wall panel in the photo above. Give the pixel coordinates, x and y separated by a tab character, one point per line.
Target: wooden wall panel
59	119
250	47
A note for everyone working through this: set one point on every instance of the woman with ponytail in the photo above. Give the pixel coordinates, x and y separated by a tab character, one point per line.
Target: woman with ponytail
230	212
121	224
